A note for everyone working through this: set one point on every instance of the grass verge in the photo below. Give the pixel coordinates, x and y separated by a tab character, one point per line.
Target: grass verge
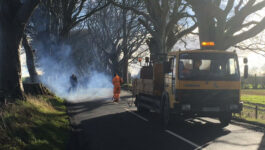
257	99
38	123
259	122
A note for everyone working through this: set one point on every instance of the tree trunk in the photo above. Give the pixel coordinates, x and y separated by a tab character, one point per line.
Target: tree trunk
125	71
66	29
157	49
125	45
206	22
115	66
30	60
14	16
36	89
64	36
11	69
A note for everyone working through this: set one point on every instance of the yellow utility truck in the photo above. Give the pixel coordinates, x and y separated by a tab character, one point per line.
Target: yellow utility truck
195	83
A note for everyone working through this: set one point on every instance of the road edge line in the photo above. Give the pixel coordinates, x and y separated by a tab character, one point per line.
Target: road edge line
146	120
183	139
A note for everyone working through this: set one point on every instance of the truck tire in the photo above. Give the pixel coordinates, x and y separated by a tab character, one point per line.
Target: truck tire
140	108
165	112
225	119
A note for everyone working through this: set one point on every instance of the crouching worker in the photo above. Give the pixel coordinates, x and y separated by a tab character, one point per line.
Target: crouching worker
73	82
117	87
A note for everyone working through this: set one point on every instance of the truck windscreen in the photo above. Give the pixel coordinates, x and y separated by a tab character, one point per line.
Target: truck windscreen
208	66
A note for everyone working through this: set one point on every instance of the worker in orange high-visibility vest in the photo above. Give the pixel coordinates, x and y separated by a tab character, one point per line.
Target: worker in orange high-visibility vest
117	80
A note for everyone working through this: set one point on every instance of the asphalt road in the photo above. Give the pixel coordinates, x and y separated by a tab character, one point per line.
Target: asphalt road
99	124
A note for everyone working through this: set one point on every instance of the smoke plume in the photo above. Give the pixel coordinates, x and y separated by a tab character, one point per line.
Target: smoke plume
59	66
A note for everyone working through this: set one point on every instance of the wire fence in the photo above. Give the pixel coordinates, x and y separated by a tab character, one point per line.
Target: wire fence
253	111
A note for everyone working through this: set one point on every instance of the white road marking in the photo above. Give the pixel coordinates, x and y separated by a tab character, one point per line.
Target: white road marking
183	139
204	145
144	119
197	147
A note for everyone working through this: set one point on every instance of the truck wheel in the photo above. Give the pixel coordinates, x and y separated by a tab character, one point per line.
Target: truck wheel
225	119
140	108
165	114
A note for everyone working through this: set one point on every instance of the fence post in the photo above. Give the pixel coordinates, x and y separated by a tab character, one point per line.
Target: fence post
256	112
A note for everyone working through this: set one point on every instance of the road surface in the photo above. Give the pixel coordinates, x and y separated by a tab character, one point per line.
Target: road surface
99	124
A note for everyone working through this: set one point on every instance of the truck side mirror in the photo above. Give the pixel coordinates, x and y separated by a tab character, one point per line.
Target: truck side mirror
167	67
245	60
246	71
147	59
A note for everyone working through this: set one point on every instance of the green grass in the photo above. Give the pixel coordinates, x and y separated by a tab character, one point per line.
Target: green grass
256	96
249	115
257	99
38	123
253	96
252	120
255	120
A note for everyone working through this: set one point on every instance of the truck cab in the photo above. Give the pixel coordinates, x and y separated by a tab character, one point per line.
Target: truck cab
195	83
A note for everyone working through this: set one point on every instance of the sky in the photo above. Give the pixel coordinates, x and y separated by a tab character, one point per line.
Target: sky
25	72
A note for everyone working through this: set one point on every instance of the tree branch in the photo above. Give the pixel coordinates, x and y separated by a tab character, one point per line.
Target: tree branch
233	40
178	36
84	17
146	16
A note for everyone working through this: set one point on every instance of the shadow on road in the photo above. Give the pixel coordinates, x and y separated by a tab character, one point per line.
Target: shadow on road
127	132
86	106
122	131
196	131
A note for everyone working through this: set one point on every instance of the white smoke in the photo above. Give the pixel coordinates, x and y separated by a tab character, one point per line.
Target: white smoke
58	69
97	86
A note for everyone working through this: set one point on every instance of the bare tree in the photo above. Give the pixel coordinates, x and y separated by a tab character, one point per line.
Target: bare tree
224	21
54	20
73	12
117	35
14	16
166	20
255	44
